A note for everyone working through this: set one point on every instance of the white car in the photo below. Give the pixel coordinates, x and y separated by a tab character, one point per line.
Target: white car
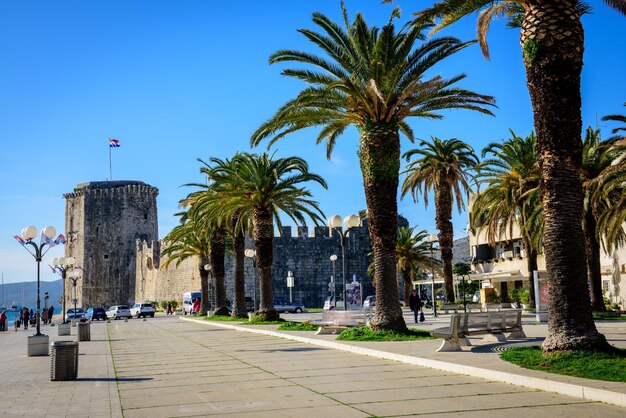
330	304
142	309
118	311
72	313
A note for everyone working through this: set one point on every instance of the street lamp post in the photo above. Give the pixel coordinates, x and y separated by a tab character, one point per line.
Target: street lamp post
250	253
62	265
432	238
47	235
333	281
290	283
74	276
349	222
463	278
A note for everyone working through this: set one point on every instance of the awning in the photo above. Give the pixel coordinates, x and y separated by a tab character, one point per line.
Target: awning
499	276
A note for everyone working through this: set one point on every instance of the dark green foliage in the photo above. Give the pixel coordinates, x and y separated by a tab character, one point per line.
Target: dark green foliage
297	326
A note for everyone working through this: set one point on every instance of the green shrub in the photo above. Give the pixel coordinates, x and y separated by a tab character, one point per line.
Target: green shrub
366	334
297	326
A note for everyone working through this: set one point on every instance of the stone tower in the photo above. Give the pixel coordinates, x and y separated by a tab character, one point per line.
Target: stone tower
103	220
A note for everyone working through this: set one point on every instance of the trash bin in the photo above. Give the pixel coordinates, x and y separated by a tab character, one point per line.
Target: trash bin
83	331
64	360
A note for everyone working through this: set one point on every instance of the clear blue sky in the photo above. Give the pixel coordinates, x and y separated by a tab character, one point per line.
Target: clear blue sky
178	80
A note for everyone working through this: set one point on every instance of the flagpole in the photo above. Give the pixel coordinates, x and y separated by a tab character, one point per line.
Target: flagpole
110	170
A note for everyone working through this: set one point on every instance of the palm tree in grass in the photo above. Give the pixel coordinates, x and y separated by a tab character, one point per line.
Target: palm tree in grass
206	208
373	79
552	47
510	174
598	160
260	188
185	241
443	167
413	257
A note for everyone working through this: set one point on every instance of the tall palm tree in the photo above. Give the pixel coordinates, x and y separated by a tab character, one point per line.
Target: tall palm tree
511	196
260	188
185	241
412	257
443	167
204	208
598	160
552	47
373	79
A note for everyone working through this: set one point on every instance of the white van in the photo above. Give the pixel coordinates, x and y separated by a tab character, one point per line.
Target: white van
188	298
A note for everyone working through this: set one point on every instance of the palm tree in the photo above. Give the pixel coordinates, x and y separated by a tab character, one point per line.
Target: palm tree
511	197
442	167
552	48
204	209
373	79
260	188
185	241
412	257
598	159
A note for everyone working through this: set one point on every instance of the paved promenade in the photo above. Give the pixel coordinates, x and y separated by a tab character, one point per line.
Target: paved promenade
170	367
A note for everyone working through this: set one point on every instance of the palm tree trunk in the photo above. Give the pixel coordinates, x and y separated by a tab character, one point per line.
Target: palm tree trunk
204	286
592	249
218	251
263	237
380	165
443	215
531	266
552	41
239	303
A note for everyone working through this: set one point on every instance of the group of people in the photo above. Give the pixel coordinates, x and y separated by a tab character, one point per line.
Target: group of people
26	317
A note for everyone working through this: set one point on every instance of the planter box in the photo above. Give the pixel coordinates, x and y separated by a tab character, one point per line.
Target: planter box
38	345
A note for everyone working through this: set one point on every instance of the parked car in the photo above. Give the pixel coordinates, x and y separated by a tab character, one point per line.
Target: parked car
118	311
330	303
284	306
142	309
369	301
96	314
74	313
188	298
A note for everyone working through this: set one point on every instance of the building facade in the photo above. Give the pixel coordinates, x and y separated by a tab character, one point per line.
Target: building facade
103	221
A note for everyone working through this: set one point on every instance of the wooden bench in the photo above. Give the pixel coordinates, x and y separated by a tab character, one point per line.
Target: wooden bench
449	307
334	320
491	324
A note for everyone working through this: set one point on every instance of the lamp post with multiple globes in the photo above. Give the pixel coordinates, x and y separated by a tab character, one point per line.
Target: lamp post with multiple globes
62	266
349	222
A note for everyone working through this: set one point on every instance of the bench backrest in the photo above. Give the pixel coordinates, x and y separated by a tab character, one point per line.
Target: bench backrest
335	315
503	320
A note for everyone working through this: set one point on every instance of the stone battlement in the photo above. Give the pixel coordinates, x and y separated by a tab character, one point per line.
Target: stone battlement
112	188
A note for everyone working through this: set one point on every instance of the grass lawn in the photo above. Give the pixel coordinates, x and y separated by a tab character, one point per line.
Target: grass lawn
257	320
610	318
224	318
315	310
366	334
297	326
587	364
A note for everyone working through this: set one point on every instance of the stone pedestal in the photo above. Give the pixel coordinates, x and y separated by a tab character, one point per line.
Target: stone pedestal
38	345
65	329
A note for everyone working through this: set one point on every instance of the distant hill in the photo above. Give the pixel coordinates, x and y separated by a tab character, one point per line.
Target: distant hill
461	251
25	293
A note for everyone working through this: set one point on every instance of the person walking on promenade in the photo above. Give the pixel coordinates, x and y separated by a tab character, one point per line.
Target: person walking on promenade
169	308
33	319
25	316
44	316
50	313
415	304
196	306
3	321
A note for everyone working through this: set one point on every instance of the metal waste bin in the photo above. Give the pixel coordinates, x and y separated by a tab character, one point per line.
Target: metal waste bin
83	331
64	360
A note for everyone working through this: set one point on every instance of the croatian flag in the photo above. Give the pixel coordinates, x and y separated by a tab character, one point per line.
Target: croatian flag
46	240
19	239
114	143
60	239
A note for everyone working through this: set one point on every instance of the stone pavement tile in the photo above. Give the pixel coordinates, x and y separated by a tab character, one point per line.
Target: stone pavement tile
362	374
376	369
415	391
242	405
343	411
465	403
351	386
585	410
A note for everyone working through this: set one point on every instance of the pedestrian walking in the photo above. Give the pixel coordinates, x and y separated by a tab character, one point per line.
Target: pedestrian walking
25	316
415	304
3	321
44	316
169	308
50	314
32	318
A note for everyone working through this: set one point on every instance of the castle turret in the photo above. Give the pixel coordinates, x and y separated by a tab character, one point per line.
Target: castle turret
103	220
